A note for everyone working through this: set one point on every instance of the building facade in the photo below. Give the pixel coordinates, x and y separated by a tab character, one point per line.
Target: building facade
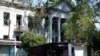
13	21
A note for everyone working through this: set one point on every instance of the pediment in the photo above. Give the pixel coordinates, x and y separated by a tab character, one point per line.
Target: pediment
62	6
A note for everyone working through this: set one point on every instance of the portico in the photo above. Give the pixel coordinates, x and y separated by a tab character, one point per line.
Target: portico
54	29
55	16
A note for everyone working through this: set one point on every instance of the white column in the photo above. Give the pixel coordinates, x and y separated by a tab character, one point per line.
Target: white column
59	29
50	28
69	49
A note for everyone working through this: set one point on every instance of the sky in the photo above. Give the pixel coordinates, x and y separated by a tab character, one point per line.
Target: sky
35	2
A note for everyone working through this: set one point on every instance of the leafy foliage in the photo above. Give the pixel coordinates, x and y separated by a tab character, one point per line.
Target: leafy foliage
80	25
70	27
33	38
96	40
50	3
85	22
30	39
34	22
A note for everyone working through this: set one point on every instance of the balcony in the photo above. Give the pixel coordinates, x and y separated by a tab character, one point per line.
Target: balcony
9	42
21	3
16	3
9	1
21	28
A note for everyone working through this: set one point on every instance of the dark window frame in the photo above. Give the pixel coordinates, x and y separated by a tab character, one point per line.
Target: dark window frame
5	37
19	19
6	17
17	38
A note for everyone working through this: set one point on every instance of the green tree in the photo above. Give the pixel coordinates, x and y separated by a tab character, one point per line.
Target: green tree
85	22
80	25
34	21
96	40
30	39
70	27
